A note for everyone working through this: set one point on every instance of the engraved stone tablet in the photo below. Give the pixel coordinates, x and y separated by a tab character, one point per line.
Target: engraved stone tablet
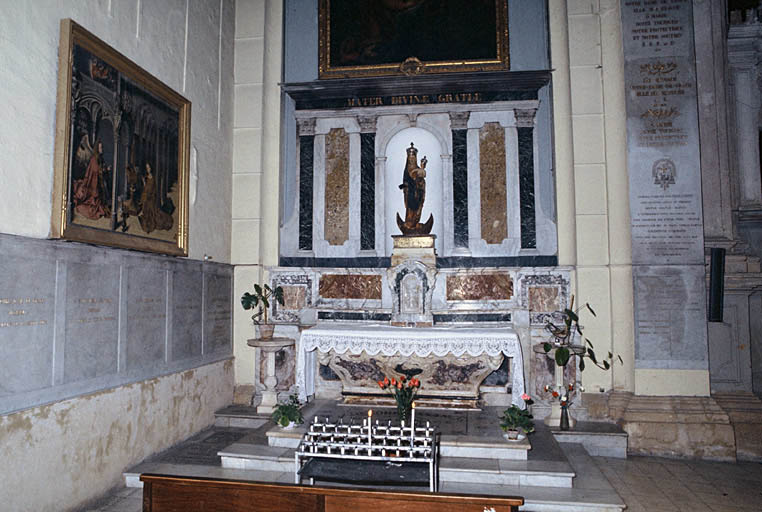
665	184
186	316
27	309
218	314
146	316
92	308
670	313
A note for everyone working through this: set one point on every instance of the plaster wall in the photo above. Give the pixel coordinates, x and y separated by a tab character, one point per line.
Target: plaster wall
591	176
256	160
79	448
187	44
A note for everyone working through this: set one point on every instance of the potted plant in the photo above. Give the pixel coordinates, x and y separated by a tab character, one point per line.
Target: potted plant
260	300
516	420
288	414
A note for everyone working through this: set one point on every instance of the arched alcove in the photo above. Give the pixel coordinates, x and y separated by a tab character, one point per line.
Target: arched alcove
396	156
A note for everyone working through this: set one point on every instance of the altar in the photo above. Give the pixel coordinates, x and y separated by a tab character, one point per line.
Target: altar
450	362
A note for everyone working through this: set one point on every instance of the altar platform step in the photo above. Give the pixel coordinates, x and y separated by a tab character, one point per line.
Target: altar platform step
450	445
240	416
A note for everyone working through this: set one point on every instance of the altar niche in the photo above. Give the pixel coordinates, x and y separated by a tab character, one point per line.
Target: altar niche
488	186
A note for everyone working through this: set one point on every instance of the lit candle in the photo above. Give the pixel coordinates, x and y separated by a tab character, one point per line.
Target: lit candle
412	421
370	419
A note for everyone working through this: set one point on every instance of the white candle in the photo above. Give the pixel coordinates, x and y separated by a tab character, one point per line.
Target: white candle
412	421
370	419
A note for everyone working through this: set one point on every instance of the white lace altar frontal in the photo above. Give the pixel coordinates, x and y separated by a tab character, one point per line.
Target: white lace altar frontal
421	341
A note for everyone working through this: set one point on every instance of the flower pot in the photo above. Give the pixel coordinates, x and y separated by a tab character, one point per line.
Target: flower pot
290	426
564	418
513	435
265	331
403	412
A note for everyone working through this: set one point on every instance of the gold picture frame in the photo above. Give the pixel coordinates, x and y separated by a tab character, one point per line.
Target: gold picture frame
365	38
122	148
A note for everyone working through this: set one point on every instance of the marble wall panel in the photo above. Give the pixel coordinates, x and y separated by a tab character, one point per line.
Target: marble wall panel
337	186
146	316
494	228
92	310
294	297
218	293
350	286
492	286
545	299
186	315
27	312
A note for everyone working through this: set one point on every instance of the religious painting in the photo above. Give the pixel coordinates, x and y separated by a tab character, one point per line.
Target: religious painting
121	154
406	37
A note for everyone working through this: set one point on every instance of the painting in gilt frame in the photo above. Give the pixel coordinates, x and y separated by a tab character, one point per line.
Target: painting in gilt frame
121	153
359	38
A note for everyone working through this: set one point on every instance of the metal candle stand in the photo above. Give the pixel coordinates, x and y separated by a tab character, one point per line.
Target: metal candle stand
397	445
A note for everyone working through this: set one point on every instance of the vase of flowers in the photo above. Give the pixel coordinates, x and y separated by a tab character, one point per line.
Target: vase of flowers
404	391
563	395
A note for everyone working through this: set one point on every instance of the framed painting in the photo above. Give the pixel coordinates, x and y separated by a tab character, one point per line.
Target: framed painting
121	151
359	38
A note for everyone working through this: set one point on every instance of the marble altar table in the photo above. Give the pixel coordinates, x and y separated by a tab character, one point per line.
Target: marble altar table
447	357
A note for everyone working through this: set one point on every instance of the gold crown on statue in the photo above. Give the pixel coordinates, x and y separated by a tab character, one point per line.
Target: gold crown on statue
412	150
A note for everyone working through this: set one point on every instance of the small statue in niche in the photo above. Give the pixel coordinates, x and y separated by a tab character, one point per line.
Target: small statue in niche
414	192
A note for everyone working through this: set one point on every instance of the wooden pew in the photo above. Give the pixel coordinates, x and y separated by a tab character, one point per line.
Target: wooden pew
163	493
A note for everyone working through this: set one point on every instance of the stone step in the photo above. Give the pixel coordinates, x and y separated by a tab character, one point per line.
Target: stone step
451	469
599	439
239	416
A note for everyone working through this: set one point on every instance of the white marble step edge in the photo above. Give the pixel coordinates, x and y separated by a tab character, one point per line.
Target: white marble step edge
598	445
452	469
450	446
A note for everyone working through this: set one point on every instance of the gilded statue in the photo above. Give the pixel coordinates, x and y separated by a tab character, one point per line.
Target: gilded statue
414	192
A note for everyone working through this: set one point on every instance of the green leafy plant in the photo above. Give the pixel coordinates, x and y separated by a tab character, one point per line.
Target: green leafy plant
562	336
260	300
515	418
288	412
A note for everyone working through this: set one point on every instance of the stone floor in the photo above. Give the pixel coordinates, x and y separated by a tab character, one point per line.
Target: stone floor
643	483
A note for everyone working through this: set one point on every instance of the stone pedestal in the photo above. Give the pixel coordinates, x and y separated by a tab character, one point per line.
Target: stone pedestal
414	247
270	347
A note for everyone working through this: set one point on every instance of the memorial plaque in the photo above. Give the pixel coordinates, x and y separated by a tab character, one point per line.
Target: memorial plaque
670	314
218	314
92	310
146	317
662	132
665	184
27	312
186	315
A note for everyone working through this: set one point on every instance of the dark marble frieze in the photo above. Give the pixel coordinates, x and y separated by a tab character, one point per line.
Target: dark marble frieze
350	286
492	186
306	158
480	287
447	318
526	188
355	316
460	187
361	370
442	262
474	87
445	373
336	214
367	191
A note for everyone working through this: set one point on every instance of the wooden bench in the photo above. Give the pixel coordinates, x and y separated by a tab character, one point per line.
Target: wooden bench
163	493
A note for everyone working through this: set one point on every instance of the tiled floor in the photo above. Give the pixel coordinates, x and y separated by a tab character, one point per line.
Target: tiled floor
644	483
